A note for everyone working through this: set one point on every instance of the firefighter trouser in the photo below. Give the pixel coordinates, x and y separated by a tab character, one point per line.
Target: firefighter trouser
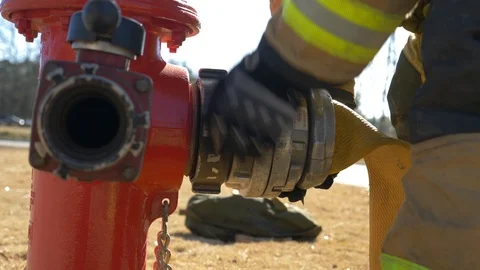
430	219
438	225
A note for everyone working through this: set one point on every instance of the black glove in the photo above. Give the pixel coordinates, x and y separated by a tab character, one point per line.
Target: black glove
250	108
255	102
299	194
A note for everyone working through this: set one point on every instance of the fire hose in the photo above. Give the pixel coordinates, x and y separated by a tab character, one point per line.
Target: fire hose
122	127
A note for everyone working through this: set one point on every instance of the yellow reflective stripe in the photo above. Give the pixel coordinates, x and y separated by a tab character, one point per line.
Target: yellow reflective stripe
364	15
337	25
322	39
390	262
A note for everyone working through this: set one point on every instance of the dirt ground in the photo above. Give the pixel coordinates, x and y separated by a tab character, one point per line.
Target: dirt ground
342	211
14	133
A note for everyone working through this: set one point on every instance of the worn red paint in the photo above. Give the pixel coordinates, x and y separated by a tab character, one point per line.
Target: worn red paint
101	225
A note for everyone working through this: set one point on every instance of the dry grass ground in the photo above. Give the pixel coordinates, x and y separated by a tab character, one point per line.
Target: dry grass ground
342	212
14	133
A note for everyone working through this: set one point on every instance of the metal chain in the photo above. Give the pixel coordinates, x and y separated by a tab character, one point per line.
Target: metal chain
162	252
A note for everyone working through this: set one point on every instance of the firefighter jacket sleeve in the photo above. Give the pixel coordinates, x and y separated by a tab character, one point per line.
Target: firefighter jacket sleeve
275	5
329	40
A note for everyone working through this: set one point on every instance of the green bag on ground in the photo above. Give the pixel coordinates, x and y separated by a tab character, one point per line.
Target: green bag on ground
224	217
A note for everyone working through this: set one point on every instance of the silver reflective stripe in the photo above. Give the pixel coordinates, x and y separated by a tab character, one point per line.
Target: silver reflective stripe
338	26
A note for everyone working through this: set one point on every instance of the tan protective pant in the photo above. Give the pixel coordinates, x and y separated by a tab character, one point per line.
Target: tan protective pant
438	225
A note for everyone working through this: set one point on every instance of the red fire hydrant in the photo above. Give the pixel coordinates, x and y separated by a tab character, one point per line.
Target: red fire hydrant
104	225
100	181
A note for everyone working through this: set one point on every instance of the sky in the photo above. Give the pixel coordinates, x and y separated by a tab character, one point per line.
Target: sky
233	28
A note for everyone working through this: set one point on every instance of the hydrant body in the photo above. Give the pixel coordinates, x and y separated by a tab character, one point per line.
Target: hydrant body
104	225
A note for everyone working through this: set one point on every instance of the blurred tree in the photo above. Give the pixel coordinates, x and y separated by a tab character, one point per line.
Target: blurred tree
13	47
392	59
17	91
358	101
18	72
